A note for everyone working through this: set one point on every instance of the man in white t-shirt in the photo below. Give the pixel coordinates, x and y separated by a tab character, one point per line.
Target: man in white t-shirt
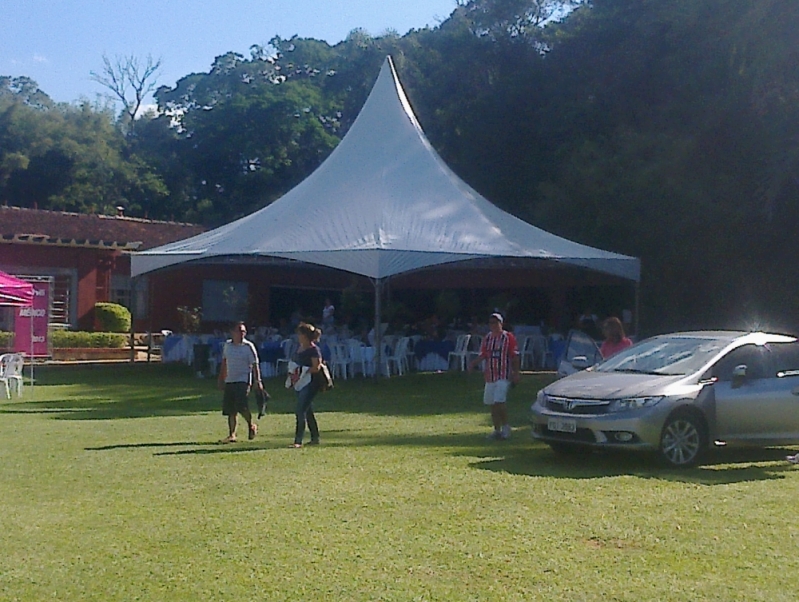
239	371
328	314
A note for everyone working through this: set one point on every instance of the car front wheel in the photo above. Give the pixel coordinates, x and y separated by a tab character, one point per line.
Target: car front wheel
682	440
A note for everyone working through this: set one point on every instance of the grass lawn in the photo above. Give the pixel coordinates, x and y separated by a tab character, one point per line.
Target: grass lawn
112	488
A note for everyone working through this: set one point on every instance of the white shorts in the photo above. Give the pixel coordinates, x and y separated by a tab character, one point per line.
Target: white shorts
496	392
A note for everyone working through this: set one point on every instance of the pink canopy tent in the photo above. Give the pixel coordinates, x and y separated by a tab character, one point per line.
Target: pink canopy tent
15	292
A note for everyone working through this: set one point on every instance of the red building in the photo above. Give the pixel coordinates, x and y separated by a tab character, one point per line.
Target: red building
86	257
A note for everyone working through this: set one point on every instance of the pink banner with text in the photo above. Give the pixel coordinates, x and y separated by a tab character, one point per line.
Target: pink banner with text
39	316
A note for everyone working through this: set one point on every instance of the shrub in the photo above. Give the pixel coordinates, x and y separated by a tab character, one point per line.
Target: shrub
112	317
6	339
69	338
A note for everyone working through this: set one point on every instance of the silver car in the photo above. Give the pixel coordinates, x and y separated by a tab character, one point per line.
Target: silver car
676	395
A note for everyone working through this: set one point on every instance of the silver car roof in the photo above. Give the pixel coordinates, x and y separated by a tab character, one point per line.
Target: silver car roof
758	338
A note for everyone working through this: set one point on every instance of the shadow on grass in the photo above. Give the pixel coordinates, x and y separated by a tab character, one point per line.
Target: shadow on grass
528	458
720	467
217	448
150	390
102	407
132	391
143	445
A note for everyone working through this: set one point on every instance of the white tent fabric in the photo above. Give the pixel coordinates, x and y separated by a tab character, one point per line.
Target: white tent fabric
383	203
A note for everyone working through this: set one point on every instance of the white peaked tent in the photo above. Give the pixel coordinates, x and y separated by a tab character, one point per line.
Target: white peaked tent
383	203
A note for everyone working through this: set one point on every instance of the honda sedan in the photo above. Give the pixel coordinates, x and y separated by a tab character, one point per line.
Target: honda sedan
676	395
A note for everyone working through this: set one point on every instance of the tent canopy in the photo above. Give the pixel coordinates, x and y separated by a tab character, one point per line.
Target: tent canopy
383	203
15	292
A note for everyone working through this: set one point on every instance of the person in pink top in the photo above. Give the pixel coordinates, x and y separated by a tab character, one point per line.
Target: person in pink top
501	355
615	340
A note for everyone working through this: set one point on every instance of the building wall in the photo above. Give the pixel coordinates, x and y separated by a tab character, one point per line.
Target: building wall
89	268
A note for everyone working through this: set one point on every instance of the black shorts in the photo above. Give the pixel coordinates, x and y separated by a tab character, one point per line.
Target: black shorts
235	399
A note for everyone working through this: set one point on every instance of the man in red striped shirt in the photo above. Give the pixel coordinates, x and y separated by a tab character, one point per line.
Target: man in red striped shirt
501	356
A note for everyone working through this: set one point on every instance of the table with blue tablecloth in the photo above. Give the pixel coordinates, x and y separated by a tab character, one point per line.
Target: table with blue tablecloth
432	355
268	354
180	348
270	351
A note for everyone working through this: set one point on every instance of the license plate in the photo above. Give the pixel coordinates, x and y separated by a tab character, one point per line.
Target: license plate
563	425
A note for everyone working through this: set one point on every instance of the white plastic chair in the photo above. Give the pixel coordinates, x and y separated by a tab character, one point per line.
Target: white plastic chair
11	365
289	347
356	356
461	351
525	343
539	347
4	361
413	363
339	360
474	347
369	363
398	357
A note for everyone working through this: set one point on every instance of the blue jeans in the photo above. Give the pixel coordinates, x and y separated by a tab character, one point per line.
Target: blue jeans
304	413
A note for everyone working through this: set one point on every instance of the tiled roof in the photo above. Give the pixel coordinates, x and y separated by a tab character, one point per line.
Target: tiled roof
37	226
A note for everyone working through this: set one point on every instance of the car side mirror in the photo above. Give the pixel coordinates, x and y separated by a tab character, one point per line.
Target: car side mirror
738	375
580	362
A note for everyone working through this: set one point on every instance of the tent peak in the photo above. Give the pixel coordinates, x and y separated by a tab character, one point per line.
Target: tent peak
384	203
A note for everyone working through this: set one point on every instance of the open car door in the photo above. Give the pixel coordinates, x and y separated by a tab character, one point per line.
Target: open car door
580	352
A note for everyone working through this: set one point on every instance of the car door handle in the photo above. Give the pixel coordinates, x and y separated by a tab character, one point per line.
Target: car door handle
795	391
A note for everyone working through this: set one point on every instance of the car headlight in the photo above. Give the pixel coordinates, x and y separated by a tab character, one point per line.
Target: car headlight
541	399
633	403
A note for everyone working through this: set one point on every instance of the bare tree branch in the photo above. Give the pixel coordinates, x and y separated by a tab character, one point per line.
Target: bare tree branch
129	81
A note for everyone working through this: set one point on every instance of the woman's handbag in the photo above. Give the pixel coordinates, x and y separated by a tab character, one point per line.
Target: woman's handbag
324	380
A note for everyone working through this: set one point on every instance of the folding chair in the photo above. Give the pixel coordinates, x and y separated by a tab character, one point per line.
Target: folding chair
461	351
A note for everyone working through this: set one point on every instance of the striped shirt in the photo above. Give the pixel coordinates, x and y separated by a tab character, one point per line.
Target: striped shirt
498	350
239	360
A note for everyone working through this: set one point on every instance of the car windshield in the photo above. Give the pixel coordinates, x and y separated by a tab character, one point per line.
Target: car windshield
665	356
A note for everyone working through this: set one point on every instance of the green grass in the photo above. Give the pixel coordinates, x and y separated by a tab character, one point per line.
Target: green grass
112	488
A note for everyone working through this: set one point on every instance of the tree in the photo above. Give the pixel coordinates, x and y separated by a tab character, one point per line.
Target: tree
24	90
519	20
130	81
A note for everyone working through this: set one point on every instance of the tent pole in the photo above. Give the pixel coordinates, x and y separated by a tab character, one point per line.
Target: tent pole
133	282
31	321
378	283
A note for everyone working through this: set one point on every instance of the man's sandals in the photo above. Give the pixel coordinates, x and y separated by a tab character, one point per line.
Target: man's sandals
250	435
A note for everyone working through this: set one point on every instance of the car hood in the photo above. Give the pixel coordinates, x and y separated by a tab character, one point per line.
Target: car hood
611	385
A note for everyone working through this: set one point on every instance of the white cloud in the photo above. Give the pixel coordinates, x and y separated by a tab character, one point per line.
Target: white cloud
40	58
144	108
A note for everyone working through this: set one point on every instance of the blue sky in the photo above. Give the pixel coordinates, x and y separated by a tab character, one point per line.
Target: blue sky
59	42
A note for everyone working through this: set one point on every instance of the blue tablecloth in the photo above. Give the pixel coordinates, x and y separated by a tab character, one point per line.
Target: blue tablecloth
556	349
270	352
170	344
217	345
442	348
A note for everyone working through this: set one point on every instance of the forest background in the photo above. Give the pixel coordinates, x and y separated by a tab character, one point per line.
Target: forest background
662	129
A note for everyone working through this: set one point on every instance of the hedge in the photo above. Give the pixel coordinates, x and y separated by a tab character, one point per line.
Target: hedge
112	317
6	339
69	338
